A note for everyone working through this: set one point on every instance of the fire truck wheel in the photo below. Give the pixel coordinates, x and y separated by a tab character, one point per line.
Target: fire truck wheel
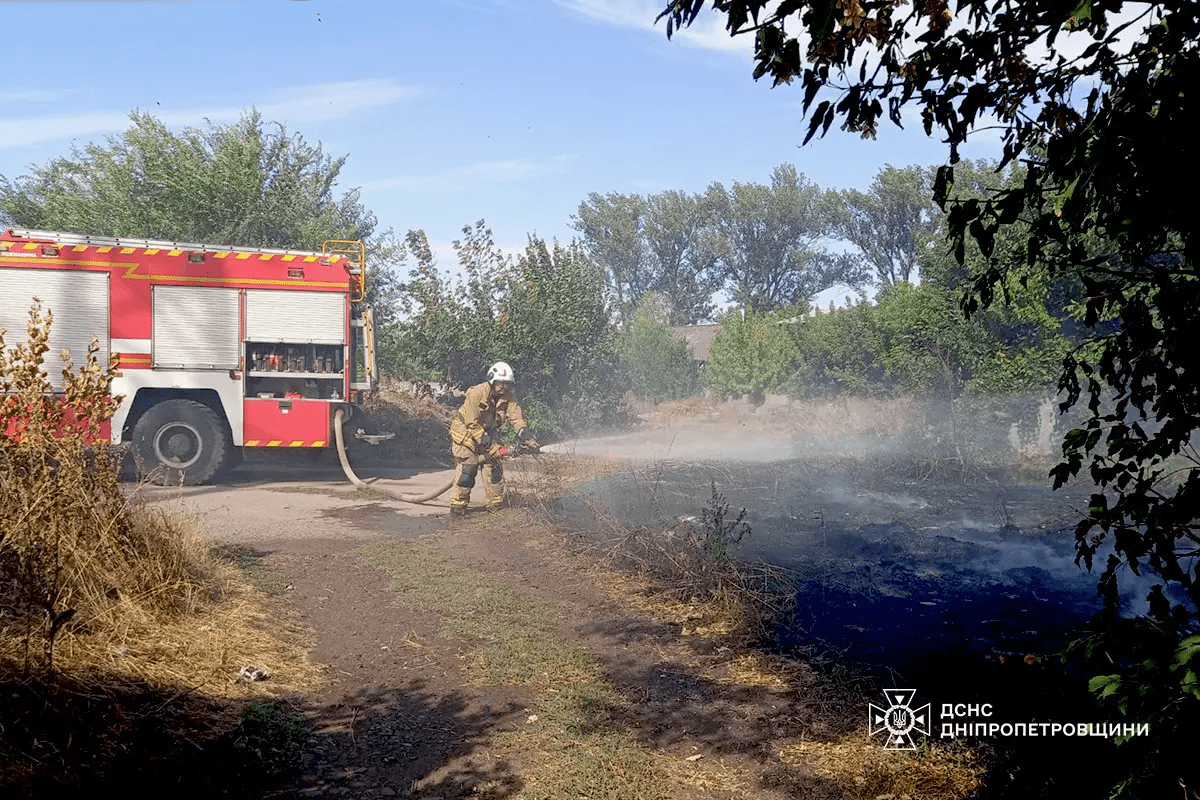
181	441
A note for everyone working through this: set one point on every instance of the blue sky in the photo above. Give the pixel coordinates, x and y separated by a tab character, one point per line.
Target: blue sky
449	110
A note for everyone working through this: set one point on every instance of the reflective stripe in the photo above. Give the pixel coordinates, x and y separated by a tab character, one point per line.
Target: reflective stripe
286	443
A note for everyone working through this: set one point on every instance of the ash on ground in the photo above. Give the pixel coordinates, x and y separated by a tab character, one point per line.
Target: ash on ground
893	566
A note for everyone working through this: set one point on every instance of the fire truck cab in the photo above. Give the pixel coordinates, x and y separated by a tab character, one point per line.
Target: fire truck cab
217	348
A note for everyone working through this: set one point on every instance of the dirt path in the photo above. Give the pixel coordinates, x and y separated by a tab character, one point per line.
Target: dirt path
424	701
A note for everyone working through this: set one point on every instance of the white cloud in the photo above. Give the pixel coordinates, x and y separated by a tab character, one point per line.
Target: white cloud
314	103
31	96
21	131
511	170
335	100
708	31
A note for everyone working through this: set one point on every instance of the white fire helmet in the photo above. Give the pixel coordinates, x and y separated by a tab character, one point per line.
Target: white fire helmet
500	371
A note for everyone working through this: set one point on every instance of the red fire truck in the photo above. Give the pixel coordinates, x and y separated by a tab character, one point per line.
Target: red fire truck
218	348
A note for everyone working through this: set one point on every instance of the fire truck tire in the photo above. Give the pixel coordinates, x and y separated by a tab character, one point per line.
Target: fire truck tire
181	441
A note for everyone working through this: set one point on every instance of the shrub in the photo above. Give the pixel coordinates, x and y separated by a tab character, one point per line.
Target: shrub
655	364
753	353
74	554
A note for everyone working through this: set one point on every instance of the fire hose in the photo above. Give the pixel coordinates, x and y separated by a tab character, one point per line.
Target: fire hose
359	482
416	499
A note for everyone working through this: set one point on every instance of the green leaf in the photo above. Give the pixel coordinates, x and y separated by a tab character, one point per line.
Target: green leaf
1104	685
1187	650
1064	197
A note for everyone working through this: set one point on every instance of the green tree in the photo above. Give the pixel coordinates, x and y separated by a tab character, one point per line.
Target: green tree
250	183
661	243
611	227
655	363
684	250
556	331
841	353
1093	98
545	312
1012	347
889	222
771	241
486	267
435	339
754	353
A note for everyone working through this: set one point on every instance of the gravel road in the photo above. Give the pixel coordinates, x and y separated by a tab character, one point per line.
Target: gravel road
263	502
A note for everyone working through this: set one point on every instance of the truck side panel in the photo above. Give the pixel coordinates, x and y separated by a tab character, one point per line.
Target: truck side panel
287	423
274	315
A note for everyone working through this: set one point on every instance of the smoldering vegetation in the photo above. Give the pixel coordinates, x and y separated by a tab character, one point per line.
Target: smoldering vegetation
908	530
917	545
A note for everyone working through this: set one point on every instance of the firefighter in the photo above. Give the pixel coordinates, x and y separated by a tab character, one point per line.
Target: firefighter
475	432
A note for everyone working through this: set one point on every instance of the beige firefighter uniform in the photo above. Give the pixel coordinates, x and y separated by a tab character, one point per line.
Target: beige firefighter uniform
476	431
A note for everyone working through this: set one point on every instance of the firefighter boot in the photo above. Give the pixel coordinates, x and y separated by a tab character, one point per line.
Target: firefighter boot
493	485
464	482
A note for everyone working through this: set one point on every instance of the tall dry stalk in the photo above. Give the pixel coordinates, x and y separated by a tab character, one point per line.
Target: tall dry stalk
73	550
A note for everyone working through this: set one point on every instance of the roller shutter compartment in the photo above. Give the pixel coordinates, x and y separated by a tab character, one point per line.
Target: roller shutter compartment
79	301
290	316
195	327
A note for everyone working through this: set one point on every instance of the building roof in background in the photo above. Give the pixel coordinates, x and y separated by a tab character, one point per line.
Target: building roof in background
698	337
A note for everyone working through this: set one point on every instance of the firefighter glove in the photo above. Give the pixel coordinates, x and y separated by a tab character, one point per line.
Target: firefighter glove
497	450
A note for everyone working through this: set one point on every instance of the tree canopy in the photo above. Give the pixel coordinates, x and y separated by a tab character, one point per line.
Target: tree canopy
545	312
890	222
250	183
772	240
660	243
765	245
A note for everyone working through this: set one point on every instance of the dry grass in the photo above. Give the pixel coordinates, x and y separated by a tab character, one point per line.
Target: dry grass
685	571
415	405
98	587
673	577
164	613
695	617
536	481
863	769
685	408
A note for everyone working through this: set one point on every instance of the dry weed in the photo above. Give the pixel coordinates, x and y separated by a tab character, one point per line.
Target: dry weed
536	481
391	395
747	598
93	583
863	769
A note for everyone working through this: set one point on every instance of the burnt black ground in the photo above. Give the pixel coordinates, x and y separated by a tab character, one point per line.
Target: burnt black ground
961	586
